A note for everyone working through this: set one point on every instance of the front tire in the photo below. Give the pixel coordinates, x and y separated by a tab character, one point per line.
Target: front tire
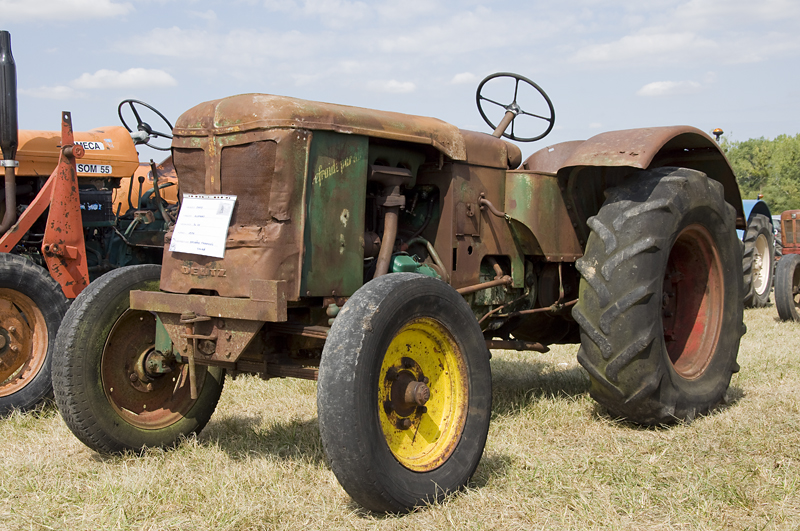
32	305
404	394
787	287
102	345
660	305
759	250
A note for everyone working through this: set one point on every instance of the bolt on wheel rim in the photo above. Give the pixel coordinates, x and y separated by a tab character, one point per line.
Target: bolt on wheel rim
422	395
761	265
25	339
692	298
150	403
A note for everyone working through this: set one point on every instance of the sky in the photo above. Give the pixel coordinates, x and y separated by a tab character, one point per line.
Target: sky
605	64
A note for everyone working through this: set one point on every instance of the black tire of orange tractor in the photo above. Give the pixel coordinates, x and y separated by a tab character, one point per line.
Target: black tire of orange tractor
787	287
352	418
660	305
25	285
82	396
757	267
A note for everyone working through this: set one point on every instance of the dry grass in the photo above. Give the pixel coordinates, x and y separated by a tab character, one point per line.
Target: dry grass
553	460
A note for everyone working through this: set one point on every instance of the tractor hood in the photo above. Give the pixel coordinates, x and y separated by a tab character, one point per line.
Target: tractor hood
248	112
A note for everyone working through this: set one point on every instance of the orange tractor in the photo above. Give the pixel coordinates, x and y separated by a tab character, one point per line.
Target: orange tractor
69	213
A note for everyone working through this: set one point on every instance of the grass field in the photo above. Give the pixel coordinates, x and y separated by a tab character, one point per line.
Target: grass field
553	460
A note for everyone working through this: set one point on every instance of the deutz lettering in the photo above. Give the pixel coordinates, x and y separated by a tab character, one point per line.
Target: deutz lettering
202	271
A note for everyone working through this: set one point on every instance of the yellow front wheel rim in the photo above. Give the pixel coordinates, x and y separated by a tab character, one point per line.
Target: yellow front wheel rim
423	395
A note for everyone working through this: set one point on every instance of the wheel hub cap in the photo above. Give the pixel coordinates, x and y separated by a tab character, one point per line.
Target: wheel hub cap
422	395
21	352
692	294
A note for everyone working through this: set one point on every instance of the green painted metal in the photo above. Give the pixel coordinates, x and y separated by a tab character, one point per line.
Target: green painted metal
403	263
163	342
536	200
334	229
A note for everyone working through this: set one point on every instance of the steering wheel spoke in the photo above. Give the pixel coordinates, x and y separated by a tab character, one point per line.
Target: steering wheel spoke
546	119
514	107
495	102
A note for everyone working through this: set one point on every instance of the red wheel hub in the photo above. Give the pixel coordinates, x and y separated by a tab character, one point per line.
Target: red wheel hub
692	300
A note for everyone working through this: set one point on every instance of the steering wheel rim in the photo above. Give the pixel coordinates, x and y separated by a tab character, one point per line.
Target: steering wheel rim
141	125
514	106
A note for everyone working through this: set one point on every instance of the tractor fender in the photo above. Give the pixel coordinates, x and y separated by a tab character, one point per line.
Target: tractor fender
753	207
645	148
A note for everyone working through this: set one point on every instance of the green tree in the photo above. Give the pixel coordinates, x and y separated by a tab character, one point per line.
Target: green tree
769	167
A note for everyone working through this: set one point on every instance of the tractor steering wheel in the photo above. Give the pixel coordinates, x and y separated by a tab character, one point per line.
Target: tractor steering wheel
513	110
144	127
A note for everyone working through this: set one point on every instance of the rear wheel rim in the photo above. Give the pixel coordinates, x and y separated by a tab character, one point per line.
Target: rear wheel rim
761	265
22	326
423	437
796	287
693	289
160	402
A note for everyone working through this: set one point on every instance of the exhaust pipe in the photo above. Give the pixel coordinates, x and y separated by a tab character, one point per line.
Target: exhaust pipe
8	128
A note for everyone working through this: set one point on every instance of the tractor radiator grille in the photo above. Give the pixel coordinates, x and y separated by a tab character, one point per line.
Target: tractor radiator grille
190	166
246	171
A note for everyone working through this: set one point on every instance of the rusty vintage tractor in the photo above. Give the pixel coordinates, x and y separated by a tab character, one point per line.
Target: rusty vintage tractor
787	272
68	215
384	255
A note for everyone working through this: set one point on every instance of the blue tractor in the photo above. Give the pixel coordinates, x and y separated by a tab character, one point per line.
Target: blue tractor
759	252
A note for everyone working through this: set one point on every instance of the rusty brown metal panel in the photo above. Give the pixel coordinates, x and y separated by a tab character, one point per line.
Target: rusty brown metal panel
537	202
633	147
224	339
651	147
212	306
790	231
248	112
486	150
272	251
550	159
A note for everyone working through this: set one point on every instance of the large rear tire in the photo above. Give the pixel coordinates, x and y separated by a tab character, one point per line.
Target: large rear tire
759	252
787	287
660	305
32	305
405	392
103	346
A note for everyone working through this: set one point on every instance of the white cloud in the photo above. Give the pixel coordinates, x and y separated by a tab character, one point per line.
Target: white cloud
59	92
393	11
393	86
464	77
595	125
466	32
725	13
669	88
209	15
281	6
238	47
16	10
131	78
645	47
336	13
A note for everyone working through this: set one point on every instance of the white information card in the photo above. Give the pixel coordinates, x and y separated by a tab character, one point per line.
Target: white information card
202	225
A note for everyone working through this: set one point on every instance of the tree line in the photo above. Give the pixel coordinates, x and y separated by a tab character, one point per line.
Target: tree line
768	167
